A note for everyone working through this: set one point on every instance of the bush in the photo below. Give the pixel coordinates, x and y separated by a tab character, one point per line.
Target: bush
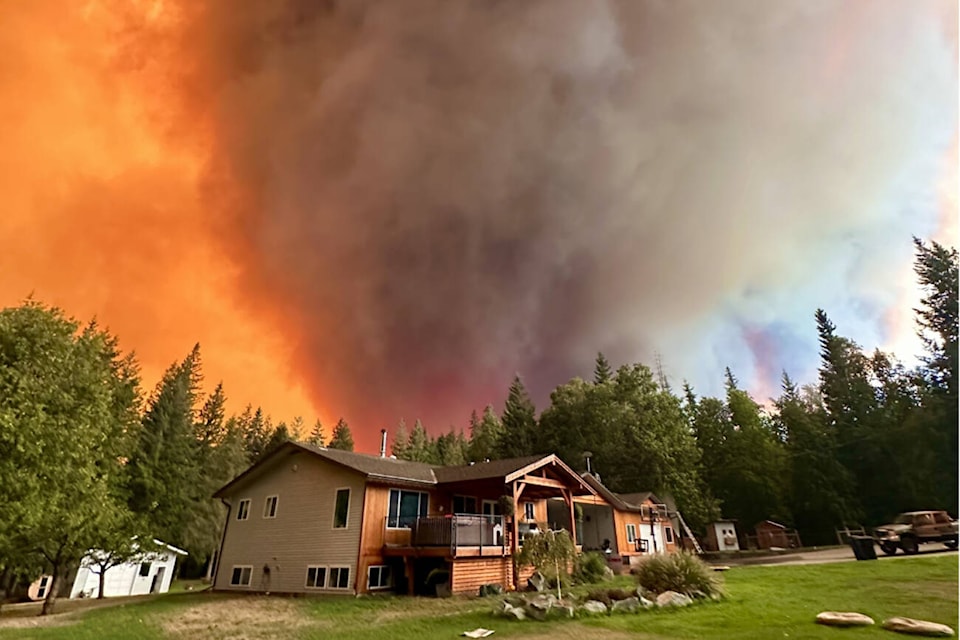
681	572
591	568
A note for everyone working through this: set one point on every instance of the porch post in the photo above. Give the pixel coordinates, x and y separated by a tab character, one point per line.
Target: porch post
515	535
568	498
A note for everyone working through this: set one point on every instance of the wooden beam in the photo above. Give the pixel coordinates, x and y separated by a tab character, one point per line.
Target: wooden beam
568	498
515	531
545	482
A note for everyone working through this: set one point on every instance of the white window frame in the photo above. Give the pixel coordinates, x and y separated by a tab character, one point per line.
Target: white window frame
346	520
330	571
382	568
233	570
266	507
43	587
631	533
245	513
529	511
306	580
423	495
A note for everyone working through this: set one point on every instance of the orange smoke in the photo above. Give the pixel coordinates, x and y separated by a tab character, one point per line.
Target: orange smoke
104	211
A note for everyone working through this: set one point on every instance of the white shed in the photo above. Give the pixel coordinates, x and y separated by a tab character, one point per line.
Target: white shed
722	536
150	573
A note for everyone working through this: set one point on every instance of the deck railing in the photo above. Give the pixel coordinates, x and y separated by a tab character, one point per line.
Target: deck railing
458	530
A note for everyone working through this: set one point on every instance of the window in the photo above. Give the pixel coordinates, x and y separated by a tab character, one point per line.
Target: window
44	585
528	510
270	507
243	509
144	569
341	509
668	533
378	577
241	576
339	578
464	504
316	577
406	507
631	533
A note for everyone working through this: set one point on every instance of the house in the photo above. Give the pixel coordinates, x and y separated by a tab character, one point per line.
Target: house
306	519
150	573
722	536
636	524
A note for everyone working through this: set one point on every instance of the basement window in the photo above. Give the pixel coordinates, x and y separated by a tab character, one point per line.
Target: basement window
378	577
339	578
241	576
316	577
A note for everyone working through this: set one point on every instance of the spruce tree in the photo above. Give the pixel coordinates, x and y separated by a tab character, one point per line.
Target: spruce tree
342	438
602	371
418	449
316	435
519	423
401	441
485	435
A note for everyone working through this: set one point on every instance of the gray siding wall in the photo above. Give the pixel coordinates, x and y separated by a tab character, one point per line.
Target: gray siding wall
302	532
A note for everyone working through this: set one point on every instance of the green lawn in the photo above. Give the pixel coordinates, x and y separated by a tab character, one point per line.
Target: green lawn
767	602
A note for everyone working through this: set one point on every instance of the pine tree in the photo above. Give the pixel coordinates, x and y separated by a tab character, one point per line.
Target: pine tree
401	441
342	438
164	470
279	436
519	423
316	435
602	371
485	436
256	433
418	449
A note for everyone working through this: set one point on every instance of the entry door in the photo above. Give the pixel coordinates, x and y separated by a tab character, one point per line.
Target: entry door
157	581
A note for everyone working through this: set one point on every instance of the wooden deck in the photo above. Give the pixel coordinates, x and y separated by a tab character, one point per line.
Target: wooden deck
446	552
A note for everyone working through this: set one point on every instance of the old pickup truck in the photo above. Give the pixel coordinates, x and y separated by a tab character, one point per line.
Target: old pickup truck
912	528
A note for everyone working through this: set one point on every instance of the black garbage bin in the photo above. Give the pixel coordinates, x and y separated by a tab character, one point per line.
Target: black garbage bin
863	548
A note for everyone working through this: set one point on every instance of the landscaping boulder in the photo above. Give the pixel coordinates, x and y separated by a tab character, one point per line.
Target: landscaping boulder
593	608
918	627
515	599
491	590
843	619
561	610
507	610
608	573
537	582
673	599
645	596
539	606
630	605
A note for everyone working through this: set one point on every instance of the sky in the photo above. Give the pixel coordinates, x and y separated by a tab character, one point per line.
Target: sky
379	210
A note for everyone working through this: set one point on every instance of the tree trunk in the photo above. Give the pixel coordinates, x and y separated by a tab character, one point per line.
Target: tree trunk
51	598
103	581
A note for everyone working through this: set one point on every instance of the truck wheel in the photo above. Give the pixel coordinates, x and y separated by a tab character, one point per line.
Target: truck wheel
909	546
950	544
888	548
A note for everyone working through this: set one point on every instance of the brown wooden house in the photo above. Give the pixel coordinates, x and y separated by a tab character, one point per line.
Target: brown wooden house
313	520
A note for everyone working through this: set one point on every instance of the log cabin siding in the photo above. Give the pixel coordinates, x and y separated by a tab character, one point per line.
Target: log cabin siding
301	534
467	576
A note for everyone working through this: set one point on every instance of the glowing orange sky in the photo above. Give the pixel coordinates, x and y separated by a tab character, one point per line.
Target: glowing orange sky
102	211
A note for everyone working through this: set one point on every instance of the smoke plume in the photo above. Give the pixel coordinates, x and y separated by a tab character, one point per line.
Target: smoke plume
398	205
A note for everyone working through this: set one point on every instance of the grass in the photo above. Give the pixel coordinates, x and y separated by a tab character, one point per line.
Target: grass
769	602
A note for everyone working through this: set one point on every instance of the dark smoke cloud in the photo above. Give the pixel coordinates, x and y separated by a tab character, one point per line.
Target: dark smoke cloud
432	195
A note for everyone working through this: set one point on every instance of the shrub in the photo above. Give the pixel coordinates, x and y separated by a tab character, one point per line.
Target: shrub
681	572
609	596
591	568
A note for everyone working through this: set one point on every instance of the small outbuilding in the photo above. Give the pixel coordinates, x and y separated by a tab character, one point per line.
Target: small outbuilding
773	535
722	536
150	573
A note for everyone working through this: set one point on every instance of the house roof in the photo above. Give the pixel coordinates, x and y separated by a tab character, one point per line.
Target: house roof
373	467
639	497
484	470
393	470
608	495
